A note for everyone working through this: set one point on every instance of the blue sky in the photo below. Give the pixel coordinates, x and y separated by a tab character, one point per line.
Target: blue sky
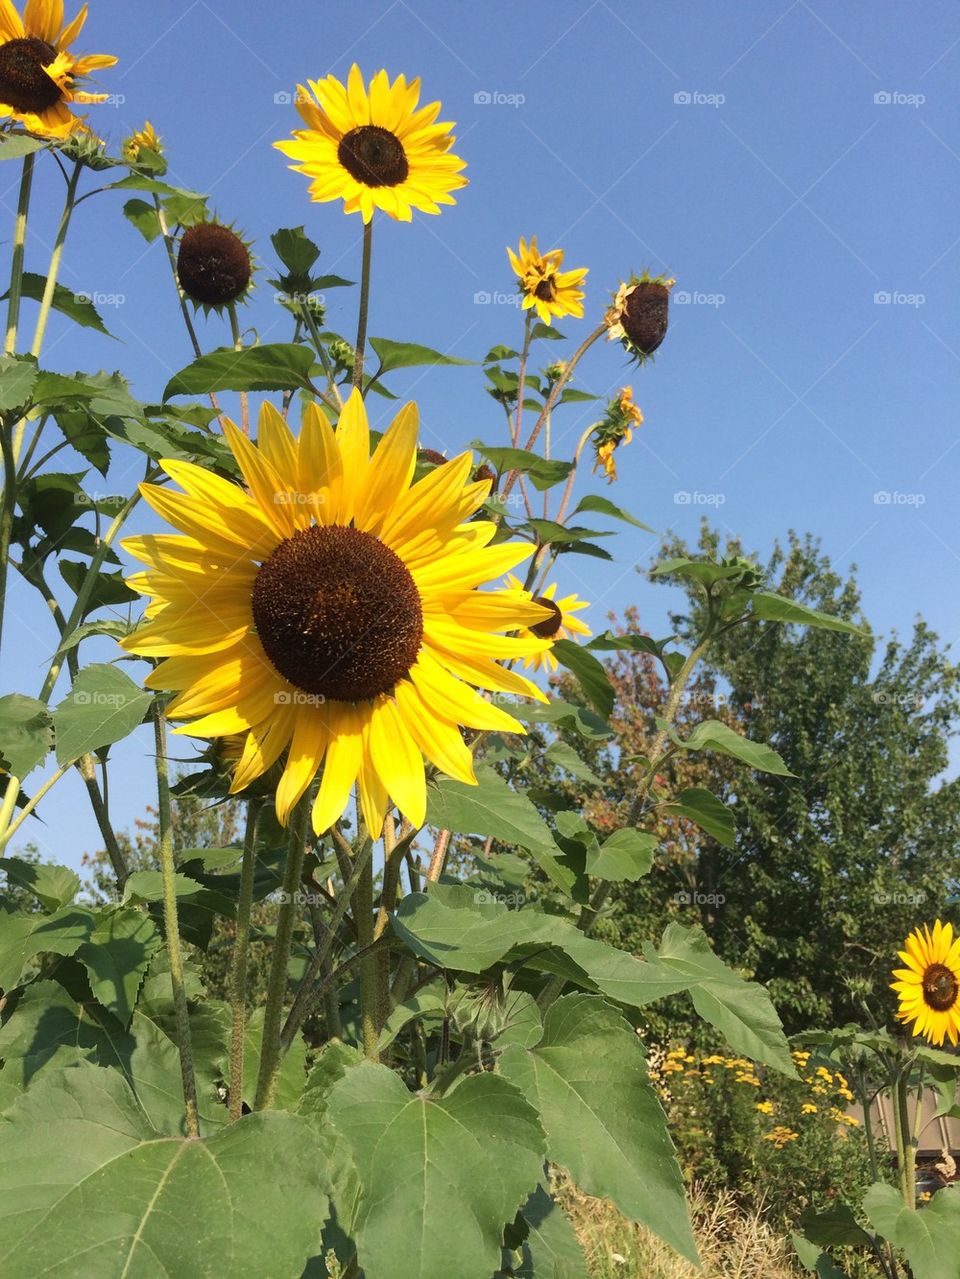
795	166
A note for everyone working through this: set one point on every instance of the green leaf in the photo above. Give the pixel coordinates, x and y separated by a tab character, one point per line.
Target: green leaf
770	607
117	957
89	1188
23	937
26	733
86	434
834	1225
494	808
590	674
108	590
603	506
742	1011
930	1237
53	886
701	806
550	533
570	395
627	854
551	1249
13	146
567	715
76	306
712	735
295	249
547	331
18	375
587	1079
811	1258
293	1068
279	366
405	355
704	572
145	218
544	473
566	757
104	706
332	1063
439	1176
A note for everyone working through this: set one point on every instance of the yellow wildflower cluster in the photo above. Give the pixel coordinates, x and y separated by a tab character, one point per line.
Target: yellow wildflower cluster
765	1107
780	1136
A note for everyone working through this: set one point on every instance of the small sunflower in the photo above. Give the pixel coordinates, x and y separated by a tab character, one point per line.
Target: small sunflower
142	140
559	623
929	987
639	315
615	429
38	74
330	609
214	266
374	148
544	286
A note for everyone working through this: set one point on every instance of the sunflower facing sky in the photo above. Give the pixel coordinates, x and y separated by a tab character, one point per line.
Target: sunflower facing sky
38	74
543	284
329	609
929	987
374	148
560	622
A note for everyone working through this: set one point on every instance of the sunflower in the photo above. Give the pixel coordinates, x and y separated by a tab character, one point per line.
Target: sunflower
929	987
614	430
543	284
639	314
145	139
374	148
329	609
38	74
559	623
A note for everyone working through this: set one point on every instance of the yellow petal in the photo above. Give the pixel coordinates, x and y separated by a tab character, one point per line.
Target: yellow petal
321	470
341	765
391	470
440	741
353	441
398	760
306	752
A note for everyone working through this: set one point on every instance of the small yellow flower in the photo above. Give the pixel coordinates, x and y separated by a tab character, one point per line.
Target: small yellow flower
808	1108
561	624
545	287
765	1107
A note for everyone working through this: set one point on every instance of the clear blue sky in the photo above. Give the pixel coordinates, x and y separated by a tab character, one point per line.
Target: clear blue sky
743	149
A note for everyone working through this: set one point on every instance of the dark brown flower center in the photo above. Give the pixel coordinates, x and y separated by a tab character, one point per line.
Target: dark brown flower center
24	85
374	156
940	988
338	613
546	290
550	625
213	264
644	317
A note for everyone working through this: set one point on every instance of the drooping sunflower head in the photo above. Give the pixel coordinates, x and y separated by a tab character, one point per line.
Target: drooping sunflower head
639	314
374	148
545	287
330	611
615	429
214	266
38	73
560	622
928	988
144	149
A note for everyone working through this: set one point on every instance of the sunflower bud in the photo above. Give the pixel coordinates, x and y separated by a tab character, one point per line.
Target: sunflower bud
639	315
213	265
143	149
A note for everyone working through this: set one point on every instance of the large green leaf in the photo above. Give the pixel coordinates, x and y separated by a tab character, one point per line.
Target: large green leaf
564	756
587	1079
702	806
544	472
741	1010
834	1225
581	719
712	735
91	1190
293	1069
405	355
929	1236
76	306
770	607
590	674
23	937
603	506
26	733
18	376
103	706
551	1249
117	956
440	1177
13	146
53	886
280	366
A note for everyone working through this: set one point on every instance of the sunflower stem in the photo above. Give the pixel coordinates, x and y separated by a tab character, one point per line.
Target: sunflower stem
19	248
522	377
56	258
364	303
277	986
241	952
906	1152
369	967
172	923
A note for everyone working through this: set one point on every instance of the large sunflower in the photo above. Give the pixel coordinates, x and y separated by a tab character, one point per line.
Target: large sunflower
544	286
38	74
329	609
929	987
373	148
560	622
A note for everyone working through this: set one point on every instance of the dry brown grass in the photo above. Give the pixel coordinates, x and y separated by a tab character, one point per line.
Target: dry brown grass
734	1242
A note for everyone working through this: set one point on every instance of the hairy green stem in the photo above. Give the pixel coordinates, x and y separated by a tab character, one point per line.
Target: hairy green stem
364	304
241	951
56	258
19	249
172	923
270	1052
87	770
369	968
